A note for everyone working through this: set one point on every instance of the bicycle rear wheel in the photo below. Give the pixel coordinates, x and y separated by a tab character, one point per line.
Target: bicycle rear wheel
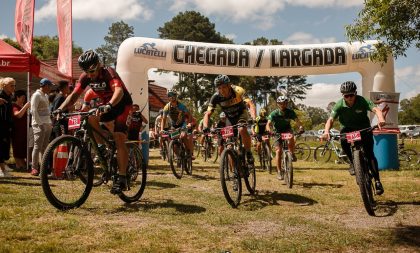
229	177
303	151
175	158
364	181
322	154
73	167
409	159
288	169
136	175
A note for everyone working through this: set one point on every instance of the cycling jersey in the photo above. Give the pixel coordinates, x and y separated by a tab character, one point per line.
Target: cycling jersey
158	121
234	105
136	121
354	117
260	124
176	113
92	99
281	119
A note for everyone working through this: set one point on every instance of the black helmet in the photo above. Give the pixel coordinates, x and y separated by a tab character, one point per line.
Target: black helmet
172	93
348	87
88	59
221	79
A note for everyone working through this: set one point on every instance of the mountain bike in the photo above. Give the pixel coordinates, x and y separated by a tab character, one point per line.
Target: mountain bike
179	159
302	151
165	145
323	152
208	149
408	158
72	186
265	154
234	166
363	169
286	171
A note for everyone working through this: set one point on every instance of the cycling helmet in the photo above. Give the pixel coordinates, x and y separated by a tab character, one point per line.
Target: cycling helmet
222	115
282	99
88	59
221	79
348	87
263	113
172	93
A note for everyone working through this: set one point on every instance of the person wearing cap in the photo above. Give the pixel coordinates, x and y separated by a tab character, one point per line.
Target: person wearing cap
41	122
352	113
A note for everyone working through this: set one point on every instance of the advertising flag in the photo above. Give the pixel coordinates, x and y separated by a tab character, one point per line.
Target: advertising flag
64	24
24	23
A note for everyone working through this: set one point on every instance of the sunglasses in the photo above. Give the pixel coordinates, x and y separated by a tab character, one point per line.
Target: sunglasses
92	70
348	95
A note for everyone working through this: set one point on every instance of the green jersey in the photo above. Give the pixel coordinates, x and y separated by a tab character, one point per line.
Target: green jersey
281	119
201	123
354	117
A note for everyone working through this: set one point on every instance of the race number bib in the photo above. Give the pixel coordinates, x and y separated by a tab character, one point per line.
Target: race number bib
74	122
286	136
227	132
353	136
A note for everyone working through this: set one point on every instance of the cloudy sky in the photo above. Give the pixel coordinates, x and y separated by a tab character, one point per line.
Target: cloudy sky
292	21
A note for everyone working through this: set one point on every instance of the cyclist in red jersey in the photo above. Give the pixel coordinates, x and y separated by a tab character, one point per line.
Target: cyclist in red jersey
106	83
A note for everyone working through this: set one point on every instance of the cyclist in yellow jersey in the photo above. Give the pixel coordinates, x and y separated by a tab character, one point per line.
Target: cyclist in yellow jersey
234	103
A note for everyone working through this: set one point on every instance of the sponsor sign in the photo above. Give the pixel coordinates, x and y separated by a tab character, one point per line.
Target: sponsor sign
363	53
388	102
149	50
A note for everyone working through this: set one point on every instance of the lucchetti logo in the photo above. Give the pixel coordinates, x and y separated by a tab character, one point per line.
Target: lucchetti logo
363	53
149	50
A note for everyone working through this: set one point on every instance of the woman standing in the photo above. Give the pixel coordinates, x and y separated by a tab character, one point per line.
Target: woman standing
19	136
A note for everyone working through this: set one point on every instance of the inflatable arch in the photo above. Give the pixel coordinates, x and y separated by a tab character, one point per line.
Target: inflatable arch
138	54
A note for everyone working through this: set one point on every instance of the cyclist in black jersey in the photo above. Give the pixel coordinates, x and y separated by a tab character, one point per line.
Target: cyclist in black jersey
234	103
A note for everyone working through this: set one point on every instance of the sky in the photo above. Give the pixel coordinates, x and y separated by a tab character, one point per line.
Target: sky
292	21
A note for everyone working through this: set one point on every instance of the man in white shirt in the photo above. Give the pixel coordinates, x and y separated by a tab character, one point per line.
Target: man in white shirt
41	122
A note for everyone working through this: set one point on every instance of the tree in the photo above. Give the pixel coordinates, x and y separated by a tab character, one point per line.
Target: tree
117	33
294	87
395	22
410	111
192	26
45	47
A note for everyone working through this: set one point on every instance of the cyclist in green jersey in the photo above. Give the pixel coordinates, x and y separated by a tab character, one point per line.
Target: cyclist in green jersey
351	111
280	119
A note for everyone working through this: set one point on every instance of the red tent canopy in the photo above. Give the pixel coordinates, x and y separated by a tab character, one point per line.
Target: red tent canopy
13	60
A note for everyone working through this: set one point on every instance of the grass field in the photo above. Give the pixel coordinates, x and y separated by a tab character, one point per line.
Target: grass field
322	212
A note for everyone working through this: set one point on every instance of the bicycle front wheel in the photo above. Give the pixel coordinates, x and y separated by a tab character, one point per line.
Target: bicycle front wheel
175	158
250	178
322	154
288	169
364	181
215	153
136	174
66	172
302	151
229	177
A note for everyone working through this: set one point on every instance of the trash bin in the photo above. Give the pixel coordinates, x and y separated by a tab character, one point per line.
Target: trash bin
386	151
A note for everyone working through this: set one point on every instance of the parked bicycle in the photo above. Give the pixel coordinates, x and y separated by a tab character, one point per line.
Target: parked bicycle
179	158
323	152
363	169
302	151
408	158
75	181
234	166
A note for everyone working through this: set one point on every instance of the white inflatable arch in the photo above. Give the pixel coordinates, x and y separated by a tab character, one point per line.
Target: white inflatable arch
137	55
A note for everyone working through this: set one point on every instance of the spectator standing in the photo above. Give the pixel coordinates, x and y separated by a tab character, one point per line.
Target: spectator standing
136	120
19	136
7	87
60	126
41	122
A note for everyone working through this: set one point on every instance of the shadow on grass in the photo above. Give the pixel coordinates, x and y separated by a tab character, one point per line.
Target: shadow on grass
311	185
389	208
168	204
22	181
267	198
205	177
155	185
407	235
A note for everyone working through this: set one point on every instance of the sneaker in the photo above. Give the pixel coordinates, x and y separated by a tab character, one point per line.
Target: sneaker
119	185
379	188
294	158
351	170
34	172
8	169
250	157
280	175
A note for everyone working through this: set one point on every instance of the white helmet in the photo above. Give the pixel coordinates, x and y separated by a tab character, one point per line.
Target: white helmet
282	99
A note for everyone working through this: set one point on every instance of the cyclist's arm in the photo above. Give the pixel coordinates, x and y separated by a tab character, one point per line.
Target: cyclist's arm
163	122
252	108
327	128
206	118
116	96
268	126
145	121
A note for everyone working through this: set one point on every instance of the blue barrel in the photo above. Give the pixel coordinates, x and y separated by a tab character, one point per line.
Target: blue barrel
386	151
145	146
